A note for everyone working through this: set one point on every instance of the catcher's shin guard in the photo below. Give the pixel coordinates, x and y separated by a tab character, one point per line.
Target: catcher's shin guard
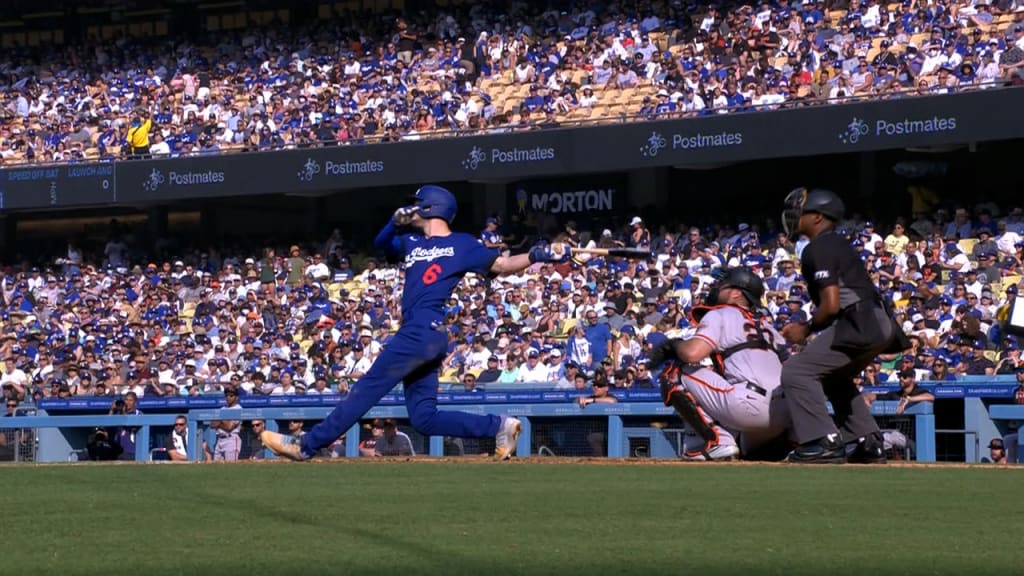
674	395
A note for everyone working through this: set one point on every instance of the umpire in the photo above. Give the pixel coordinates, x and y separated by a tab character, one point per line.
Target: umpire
852	326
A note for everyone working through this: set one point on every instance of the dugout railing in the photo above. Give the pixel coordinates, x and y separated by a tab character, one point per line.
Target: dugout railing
623	429
975	409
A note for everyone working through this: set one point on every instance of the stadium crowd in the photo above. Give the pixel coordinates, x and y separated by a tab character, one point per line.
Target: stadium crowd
490	66
313	318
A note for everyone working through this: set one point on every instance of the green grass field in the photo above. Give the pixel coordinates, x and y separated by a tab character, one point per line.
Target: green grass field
488	519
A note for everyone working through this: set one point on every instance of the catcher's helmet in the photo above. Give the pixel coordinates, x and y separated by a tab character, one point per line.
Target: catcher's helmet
435	202
746	281
802	201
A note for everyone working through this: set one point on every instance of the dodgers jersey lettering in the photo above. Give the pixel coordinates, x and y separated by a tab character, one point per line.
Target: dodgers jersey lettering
435	266
725	327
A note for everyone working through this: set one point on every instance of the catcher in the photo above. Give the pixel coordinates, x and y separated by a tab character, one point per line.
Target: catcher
736	406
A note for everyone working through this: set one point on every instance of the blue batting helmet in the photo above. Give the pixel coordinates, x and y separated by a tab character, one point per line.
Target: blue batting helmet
435	202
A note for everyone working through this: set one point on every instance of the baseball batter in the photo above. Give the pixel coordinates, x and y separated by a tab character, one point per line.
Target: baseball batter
436	259
740	394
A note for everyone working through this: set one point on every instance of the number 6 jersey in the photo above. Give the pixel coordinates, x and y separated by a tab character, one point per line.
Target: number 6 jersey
434	266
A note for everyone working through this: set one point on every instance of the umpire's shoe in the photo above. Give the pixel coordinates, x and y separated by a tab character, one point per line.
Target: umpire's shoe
827	450
284	445
869	450
508	437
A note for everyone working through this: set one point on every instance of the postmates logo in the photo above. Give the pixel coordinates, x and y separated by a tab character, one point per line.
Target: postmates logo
858	129
478	156
654	145
157	179
154	181
657	142
311	168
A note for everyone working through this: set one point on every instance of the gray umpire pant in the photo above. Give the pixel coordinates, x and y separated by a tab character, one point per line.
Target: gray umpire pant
820	371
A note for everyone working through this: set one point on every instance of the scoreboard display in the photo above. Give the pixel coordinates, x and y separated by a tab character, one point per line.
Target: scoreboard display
57	186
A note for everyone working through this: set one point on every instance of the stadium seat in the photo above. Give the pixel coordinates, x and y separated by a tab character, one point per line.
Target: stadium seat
967	244
565	328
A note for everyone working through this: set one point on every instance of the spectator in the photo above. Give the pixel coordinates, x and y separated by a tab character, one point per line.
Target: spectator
11	439
177	443
908	394
996	452
597	440
491	373
392	441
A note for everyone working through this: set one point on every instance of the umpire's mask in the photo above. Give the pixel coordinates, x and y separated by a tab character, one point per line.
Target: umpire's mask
792	210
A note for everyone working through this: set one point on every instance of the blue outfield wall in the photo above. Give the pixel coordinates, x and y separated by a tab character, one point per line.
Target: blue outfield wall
63	425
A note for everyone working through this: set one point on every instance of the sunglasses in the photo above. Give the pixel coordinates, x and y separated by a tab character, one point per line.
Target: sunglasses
12	405
180	424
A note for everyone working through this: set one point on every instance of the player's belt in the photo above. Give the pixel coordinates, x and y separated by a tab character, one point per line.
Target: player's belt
755	388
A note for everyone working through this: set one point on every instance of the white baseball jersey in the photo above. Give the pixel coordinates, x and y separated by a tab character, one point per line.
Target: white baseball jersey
726	326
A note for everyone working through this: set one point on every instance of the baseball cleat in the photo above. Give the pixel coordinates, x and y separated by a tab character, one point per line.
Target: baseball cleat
827	450
507	438
720	453
285	446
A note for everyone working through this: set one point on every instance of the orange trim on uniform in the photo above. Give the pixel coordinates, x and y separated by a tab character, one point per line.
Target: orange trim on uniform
708	339
708	386
710	424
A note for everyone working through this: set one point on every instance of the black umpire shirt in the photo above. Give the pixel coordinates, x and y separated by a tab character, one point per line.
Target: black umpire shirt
829	260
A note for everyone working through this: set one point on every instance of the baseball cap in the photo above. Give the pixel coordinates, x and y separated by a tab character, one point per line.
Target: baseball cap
996	444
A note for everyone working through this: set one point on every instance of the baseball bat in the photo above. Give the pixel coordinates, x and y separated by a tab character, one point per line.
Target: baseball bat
615	252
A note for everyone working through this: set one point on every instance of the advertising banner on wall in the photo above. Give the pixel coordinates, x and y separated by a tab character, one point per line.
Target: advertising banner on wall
569	197
978	116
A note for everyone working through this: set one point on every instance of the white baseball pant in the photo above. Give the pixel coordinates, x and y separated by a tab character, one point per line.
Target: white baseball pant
755	414
227	448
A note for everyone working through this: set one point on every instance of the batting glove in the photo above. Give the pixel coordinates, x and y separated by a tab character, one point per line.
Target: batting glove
550	253
403	216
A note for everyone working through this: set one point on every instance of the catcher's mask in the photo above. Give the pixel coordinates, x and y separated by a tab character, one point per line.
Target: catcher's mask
793	208
803	201
741	278
710	294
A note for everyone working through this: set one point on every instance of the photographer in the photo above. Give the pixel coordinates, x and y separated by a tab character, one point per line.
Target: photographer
125	435
100	446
